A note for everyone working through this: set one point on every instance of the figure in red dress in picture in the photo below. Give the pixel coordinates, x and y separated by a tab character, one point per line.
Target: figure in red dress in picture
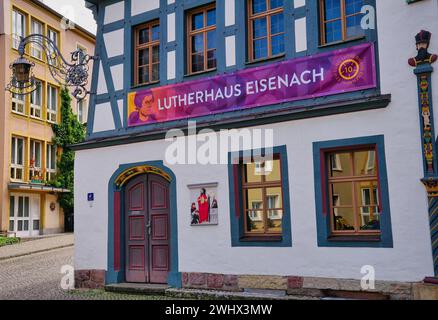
203	206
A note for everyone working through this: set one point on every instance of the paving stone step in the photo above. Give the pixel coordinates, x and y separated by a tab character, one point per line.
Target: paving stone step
138	288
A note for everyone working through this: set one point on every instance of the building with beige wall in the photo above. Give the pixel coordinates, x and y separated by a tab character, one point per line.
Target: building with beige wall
28	205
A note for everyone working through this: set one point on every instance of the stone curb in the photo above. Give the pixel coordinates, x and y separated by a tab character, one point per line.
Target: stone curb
226	295
35	252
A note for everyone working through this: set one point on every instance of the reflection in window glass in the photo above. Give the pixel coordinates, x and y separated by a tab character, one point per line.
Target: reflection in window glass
353	191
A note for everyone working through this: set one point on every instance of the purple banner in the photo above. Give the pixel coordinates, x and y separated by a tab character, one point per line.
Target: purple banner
334	72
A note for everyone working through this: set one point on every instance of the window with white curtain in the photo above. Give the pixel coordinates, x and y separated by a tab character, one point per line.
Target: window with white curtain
36	100
52	103
17	158
18	28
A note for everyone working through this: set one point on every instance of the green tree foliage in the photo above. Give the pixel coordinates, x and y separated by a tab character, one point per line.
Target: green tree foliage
68	132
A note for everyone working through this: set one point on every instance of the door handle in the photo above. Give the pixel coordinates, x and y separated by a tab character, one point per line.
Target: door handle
148	226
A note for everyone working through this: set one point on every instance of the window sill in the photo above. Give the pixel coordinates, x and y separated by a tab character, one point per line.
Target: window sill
144	85
194	74
332	44
353	238
19	114
273	58
261	239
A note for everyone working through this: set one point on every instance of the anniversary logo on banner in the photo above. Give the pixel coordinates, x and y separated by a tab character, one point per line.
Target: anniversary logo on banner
334	72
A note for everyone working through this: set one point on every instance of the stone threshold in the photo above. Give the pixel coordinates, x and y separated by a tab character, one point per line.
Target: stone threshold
138	288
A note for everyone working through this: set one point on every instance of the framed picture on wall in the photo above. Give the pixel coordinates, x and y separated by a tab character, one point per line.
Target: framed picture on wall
204	204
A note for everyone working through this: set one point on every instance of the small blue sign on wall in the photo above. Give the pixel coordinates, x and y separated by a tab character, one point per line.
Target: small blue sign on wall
90	197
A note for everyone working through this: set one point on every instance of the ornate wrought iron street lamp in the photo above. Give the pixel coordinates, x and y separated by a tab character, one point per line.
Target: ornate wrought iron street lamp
72	74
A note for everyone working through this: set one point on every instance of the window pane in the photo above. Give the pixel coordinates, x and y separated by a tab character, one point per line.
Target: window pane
252	173
332	9
333	31
260	28
254	221
143	57
197	62
26	206
353	27
211	17
36	225
344	219
198	21
20	225
13	150
11	206
20	206
211	59
11	225
275	221
260	48
198	43
274	198
254	199
143	36
211	39
365	163
37	154
353	6
258	6
143	74
340	165
156	72
20	150
156	33
276	4
155	54
26	225
53	158
342	194
272	170
277	44
277	23
368	201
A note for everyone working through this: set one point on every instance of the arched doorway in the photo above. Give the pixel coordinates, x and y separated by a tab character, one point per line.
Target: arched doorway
117	228
147	238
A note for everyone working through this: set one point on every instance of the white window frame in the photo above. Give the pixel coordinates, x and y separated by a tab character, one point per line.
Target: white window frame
35	169
52	103
18	105
36	51
50	165
15	165
82	108
16	35
52	35
36	106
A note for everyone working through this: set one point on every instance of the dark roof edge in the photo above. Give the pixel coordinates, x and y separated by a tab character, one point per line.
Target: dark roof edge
273	116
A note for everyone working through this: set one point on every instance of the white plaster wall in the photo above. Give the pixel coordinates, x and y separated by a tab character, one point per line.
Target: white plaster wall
114	43
171	27
141	6
230	12
209	249
300	35
114	12
230	51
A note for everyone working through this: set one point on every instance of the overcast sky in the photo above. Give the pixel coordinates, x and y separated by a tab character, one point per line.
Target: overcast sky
74	10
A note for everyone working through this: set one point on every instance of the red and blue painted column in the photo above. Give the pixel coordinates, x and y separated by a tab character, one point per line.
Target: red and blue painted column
423	70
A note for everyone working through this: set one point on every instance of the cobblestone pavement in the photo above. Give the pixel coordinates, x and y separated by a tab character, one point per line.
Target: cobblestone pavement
38	245
38	277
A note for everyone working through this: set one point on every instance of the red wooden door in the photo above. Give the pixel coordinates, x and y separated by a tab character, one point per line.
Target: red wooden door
147	229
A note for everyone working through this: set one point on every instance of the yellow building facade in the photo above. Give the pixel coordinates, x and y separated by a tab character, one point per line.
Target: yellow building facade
28	205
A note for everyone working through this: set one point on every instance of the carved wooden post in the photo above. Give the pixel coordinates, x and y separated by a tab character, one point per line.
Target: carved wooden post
423	69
